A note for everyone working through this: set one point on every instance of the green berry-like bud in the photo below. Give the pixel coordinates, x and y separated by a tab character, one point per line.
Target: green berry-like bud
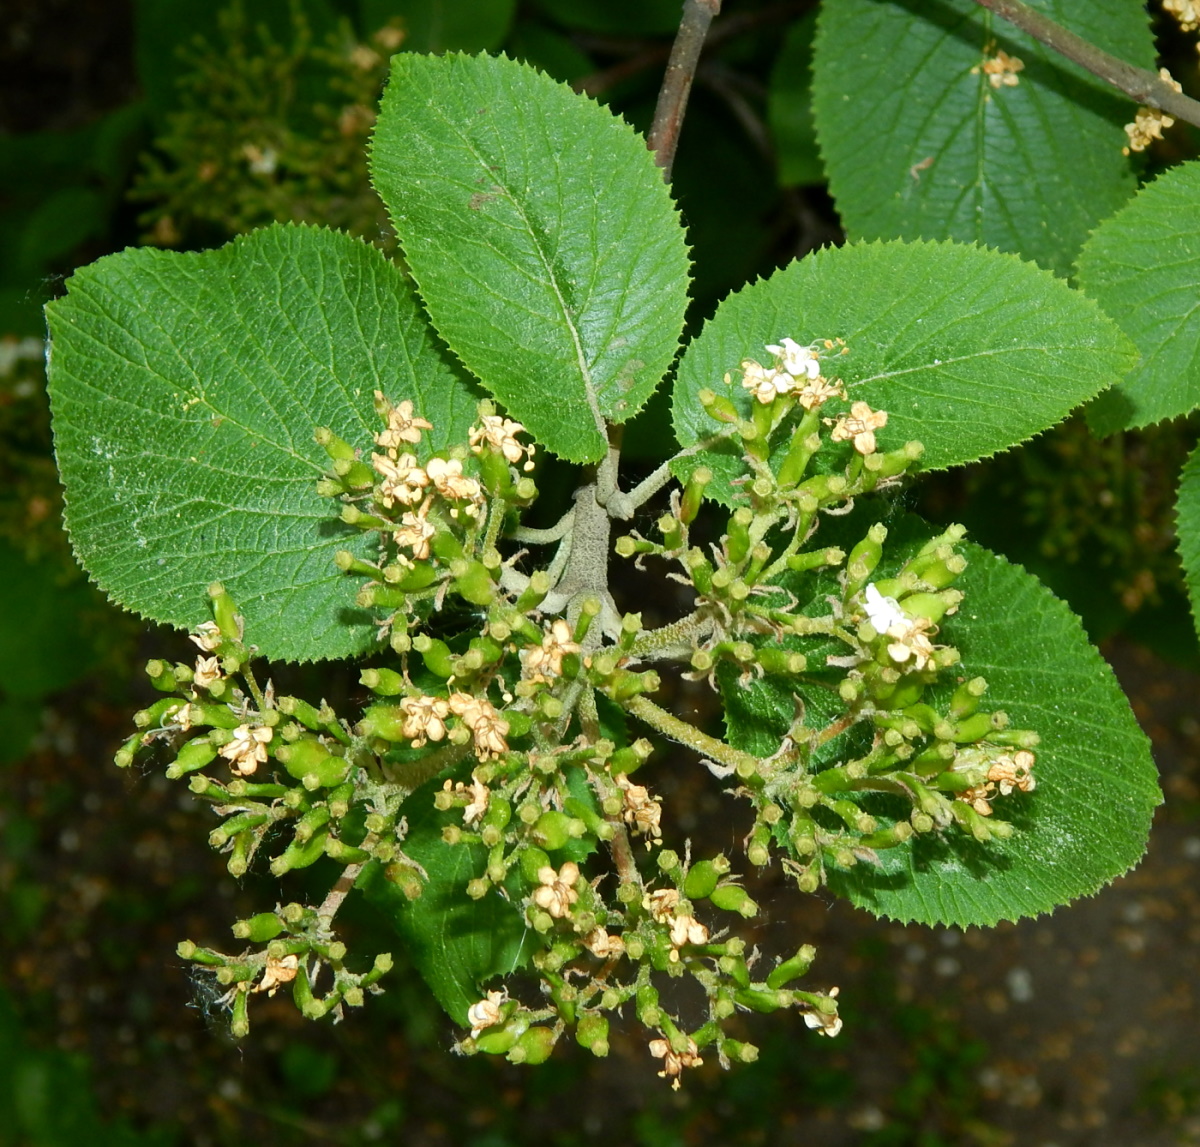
334	446
192	756
552	830
259	929
592	1033
792	969
701	881
384	682
733	898
533	1047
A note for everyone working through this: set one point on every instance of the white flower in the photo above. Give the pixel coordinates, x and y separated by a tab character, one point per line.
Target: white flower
485	1013
797	360
883	612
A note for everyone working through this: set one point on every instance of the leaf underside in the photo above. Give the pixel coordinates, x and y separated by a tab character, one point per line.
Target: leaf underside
542	238
185	389
919	144
969	351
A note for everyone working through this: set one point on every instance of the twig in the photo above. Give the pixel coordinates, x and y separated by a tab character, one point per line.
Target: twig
677	83
1142	86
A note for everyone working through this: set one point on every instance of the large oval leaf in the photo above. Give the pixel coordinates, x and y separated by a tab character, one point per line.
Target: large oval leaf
1088	820
185	389
968	350
542	238
918	143
1187	525
1143	267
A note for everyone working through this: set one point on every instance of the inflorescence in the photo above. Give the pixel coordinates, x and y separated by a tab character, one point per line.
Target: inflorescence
503	727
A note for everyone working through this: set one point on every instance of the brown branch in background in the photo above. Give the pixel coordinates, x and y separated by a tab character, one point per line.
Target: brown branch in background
677	83
1138	84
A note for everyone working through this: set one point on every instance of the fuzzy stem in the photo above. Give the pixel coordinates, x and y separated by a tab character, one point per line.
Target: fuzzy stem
671	726
1140	85
677	83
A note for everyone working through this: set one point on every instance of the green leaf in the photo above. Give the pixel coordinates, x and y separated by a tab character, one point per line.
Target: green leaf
185	389
1187	526
789	108
918	144
1088	820
1143	267
541	236
443	25
456	943
969	351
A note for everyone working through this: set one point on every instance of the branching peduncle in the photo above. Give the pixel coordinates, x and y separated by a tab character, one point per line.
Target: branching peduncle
1140	85
685	734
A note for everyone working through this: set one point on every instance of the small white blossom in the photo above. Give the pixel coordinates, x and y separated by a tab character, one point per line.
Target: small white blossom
556	892
825	1023
208	670
501	435
403	480
207	636
883	612
402	425
281	971
485	1013
675	1061
859	426
798	361
765	384
546	658
424	719
247	750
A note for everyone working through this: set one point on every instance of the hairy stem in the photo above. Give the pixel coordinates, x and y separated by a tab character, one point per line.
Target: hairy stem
1139	85
671	726
677	83
341	888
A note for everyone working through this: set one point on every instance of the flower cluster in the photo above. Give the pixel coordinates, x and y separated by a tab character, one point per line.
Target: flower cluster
796	370
1150	123
1001	70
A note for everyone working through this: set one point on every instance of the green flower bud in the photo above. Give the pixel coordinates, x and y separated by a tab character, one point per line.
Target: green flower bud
718	407
782	662
552	830
194	755
259	929
864	558
533	1047
225	612
758	1000
406	878
355	474
701	881
344	853
436	655
806	441
335	447
475	584
733	898
592	1033
298	855
693	494
737	541
384	682
792	969
535	592
497	1041
532	861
